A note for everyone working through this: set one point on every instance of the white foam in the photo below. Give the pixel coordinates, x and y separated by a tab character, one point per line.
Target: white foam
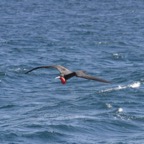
109	105
120	110
120	87
114	89
135	85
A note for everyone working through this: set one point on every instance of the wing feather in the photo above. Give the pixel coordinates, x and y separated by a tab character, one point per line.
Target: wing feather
82	74
60	68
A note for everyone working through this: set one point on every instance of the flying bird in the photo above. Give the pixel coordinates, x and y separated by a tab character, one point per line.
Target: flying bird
66	74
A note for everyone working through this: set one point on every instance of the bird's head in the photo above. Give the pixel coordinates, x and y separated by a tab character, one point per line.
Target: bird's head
63	80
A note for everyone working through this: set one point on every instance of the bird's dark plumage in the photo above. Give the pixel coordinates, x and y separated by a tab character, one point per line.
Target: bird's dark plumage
67	74
60	68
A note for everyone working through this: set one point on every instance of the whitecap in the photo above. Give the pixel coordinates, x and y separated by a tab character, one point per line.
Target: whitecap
120	110
117	56
108	105
135	85
121	87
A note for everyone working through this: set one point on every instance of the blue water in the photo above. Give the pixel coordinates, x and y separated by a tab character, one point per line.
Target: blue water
104	38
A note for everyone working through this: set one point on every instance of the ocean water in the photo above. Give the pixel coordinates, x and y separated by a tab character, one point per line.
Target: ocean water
104	38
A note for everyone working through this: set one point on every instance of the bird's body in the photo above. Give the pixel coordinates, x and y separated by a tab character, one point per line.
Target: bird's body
66	74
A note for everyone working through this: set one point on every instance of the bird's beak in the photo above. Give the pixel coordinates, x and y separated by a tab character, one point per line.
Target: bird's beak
58	77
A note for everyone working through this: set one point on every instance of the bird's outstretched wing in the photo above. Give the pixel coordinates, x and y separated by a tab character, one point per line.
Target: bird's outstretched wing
60	68
82	74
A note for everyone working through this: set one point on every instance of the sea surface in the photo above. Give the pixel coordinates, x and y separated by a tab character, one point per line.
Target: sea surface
105	38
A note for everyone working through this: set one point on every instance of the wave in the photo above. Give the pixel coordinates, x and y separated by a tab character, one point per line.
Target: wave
134	85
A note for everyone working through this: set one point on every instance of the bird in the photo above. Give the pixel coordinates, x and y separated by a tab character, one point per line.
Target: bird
66	74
